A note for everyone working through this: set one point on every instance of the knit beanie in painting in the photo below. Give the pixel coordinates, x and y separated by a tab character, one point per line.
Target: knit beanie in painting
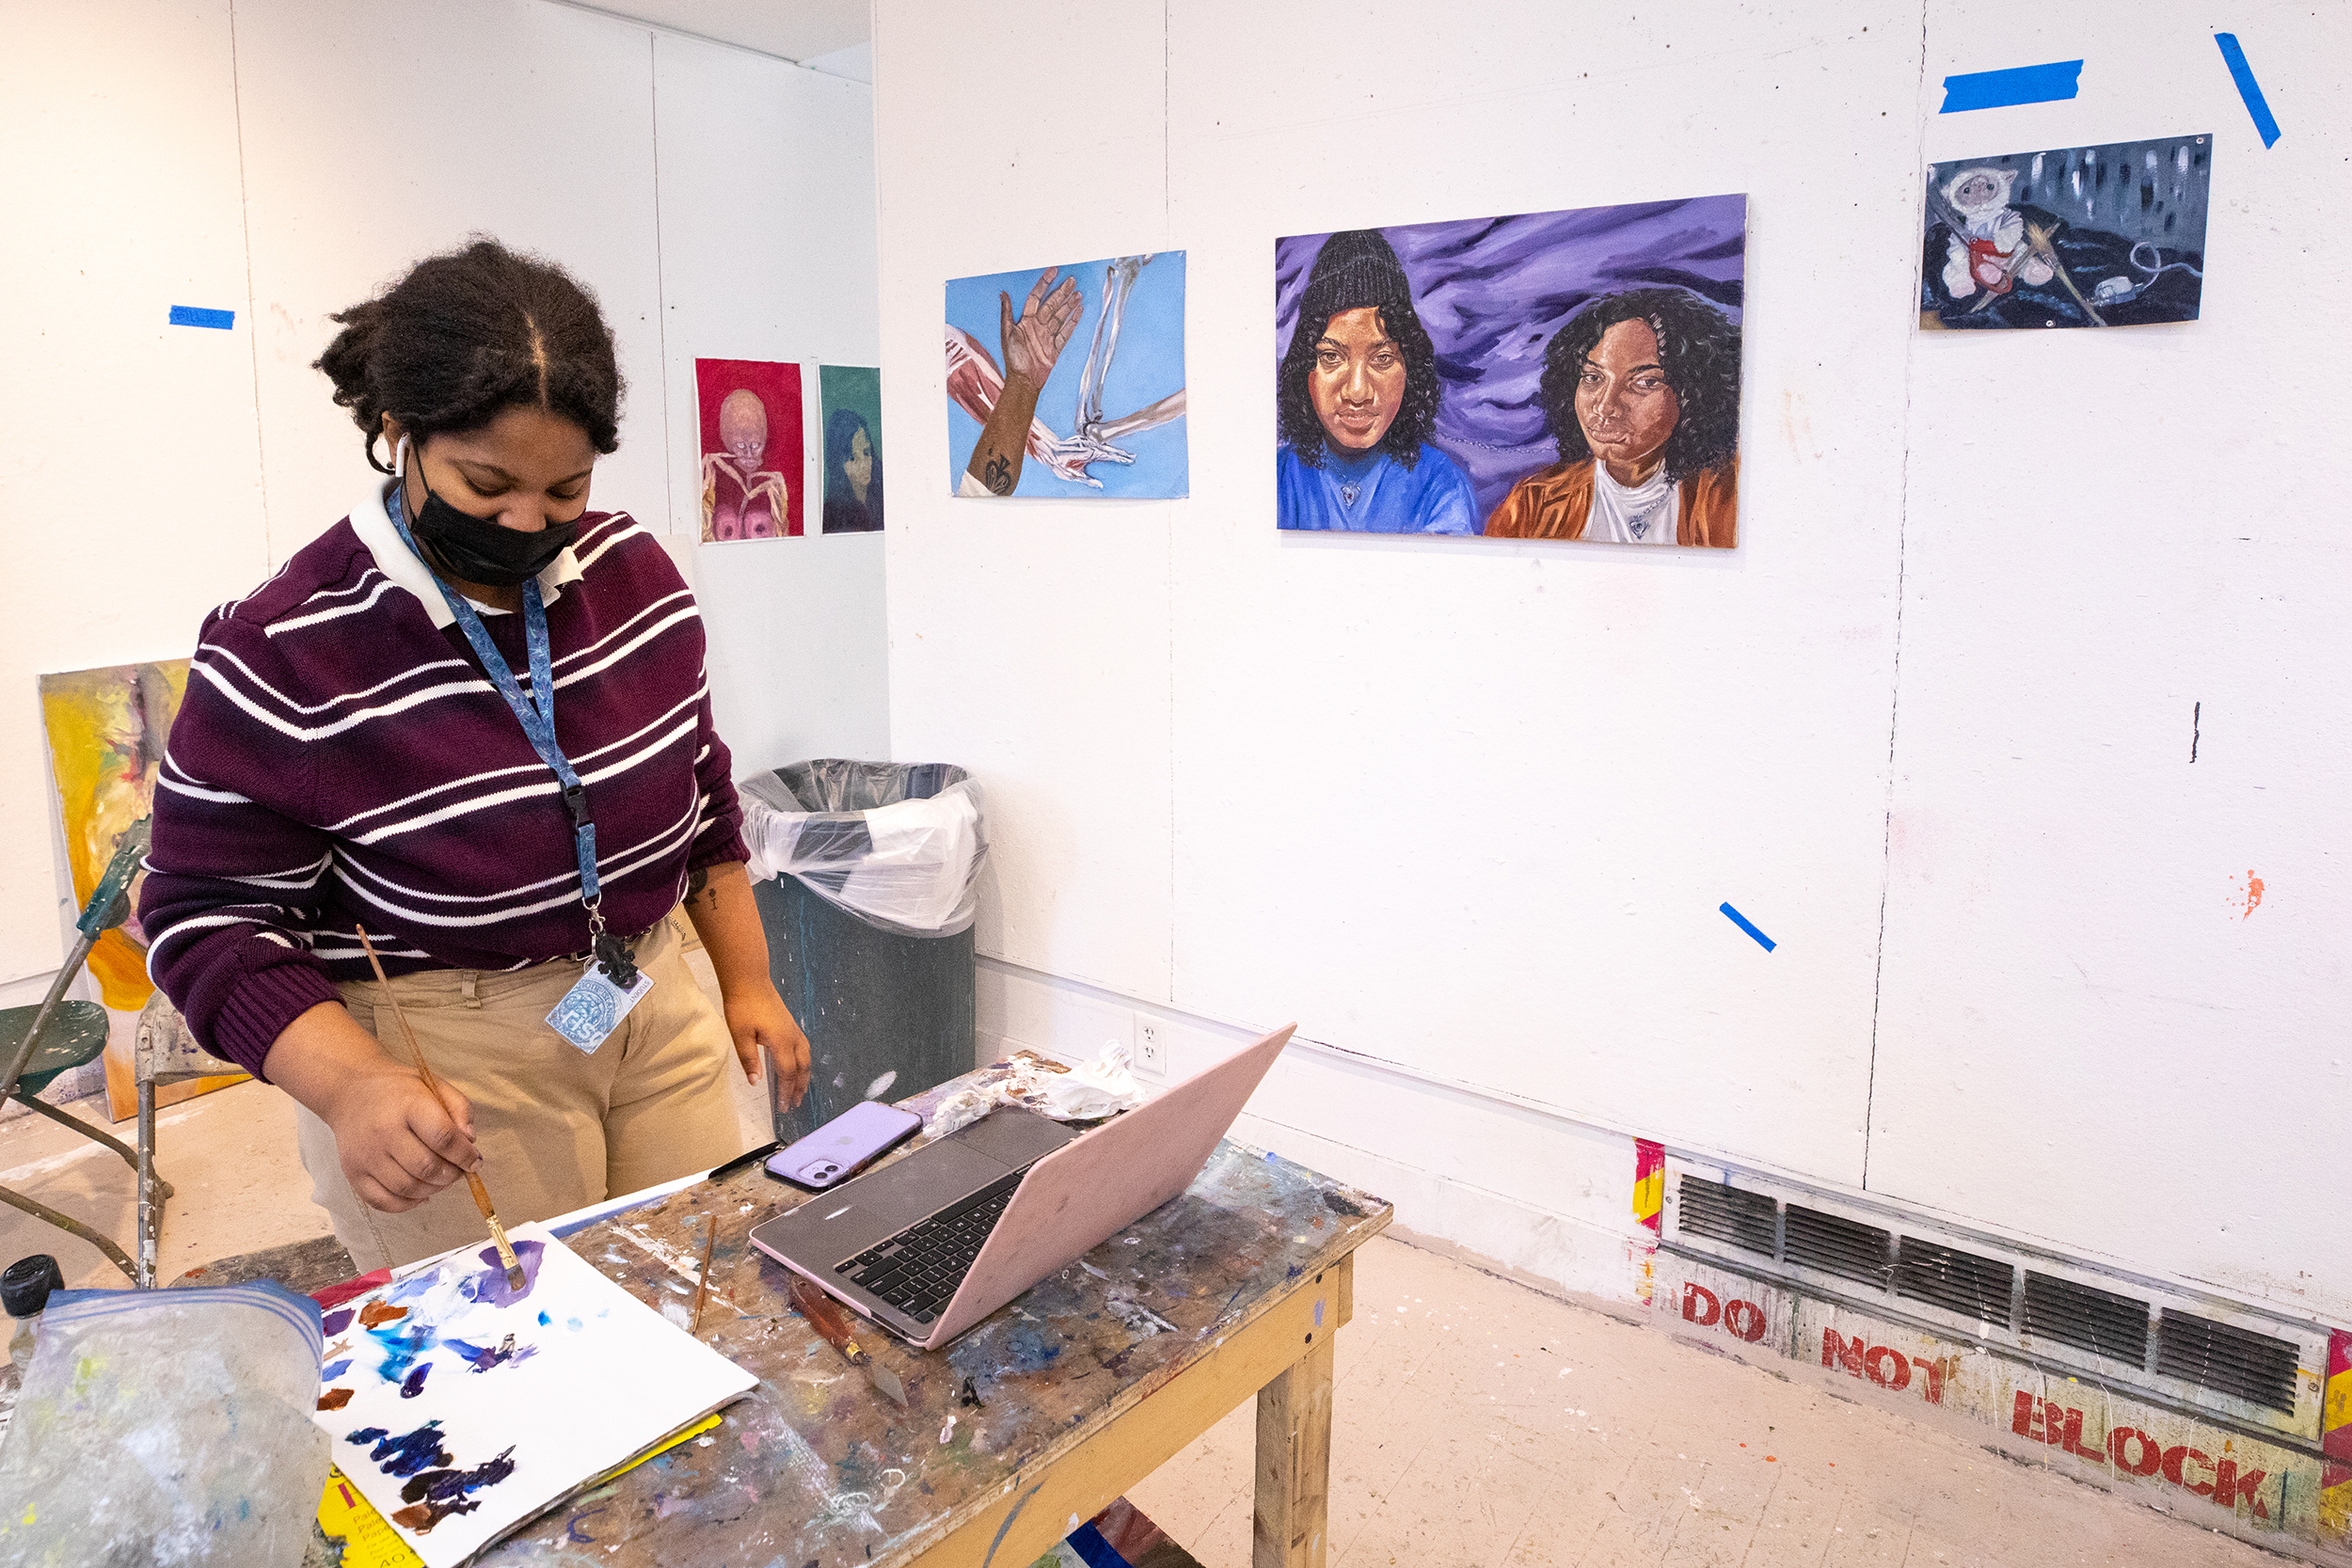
1354	268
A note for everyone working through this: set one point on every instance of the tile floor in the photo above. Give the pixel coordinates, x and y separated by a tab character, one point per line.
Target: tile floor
1478	1423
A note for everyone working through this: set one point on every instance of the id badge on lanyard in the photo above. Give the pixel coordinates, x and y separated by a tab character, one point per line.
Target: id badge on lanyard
609	983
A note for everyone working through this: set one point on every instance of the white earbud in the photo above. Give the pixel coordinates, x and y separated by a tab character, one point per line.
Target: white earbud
400	459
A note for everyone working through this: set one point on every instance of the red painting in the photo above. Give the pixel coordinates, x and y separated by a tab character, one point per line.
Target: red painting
750	449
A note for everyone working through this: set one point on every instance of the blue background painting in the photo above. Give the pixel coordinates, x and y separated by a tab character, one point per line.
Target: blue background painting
1149	364
1493	291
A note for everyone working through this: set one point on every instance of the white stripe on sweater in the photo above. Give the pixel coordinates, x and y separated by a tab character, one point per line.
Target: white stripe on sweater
694	701
670	847
607	866
278	628
545	784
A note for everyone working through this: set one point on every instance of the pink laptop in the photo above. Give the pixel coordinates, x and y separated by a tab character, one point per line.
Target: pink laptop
932	1244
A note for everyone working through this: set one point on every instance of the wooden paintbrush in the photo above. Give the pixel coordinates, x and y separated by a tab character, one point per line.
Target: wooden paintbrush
702	1287
514	1280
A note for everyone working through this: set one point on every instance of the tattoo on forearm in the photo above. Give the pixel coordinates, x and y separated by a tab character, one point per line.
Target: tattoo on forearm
698	889
998	476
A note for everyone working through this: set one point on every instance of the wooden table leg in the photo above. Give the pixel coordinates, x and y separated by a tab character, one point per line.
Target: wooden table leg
1289	1527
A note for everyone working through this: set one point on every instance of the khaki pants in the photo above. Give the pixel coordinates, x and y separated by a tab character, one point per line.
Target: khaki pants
558	1128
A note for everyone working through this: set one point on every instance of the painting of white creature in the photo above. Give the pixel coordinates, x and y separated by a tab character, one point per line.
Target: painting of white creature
2112	236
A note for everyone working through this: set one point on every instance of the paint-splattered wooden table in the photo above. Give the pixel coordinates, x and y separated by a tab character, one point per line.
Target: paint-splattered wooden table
1027	1425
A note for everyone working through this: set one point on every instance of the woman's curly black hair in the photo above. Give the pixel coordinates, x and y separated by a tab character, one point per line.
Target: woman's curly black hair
468	335
1699	348
1416	414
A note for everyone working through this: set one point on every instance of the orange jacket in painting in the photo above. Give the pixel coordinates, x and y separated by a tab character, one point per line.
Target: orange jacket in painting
1554	503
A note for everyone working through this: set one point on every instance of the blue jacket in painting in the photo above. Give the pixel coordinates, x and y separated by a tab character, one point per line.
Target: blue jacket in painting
1373	494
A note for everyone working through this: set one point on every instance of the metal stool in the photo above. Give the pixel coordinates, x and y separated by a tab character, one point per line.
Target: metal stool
44	1041
166	1053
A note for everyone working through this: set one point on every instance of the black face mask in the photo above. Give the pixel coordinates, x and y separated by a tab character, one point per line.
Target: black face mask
478	550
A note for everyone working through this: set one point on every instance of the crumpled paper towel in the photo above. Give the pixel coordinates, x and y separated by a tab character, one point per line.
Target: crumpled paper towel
1099	1088
1096	1089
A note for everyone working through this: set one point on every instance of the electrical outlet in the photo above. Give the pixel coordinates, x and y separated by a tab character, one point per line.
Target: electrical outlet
1150	1050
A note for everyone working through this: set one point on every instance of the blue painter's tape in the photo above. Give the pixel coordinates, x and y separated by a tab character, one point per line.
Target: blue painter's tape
1999	89
196	315
1741	921
2248	88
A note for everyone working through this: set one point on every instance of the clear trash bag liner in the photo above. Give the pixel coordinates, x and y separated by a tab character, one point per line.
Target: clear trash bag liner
168	1427
898	844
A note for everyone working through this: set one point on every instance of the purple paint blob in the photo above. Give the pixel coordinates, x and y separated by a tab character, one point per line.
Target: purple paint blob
335	1321
490	1284
439	1484
482	1358
414	1384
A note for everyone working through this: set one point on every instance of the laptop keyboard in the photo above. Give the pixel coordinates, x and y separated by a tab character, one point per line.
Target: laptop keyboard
918	1270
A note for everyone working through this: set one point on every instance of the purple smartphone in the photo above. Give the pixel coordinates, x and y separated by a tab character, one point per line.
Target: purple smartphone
841	1148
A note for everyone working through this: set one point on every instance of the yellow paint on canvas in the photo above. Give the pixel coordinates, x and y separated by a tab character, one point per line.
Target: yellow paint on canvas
107	729
106	734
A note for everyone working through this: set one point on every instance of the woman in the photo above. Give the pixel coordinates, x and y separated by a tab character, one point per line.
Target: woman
1641	392
1357	399
853	487
433	724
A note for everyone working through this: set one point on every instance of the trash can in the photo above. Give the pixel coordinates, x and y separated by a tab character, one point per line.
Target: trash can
865	876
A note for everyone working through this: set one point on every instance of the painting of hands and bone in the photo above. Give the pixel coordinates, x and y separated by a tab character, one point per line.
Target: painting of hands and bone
1068	380
750	449
1555	376
2112	236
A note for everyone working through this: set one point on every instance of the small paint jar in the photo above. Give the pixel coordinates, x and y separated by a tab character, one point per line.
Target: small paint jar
24	1287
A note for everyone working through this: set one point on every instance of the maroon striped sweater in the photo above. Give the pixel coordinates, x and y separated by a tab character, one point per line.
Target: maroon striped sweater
340	757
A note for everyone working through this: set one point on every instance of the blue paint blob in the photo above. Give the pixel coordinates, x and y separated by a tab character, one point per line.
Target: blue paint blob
414	1384
543	1319
334	1370
406	1454
413	1287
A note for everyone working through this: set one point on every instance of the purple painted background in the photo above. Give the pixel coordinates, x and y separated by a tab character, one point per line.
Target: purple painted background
1493	291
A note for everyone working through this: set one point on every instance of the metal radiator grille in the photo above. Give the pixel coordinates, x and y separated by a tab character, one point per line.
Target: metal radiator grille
2098	1321
2227	1359
1844	1247
1958	1281
1724	1213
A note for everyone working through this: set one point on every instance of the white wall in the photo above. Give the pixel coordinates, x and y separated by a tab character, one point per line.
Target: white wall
767	210
1468	809
718	201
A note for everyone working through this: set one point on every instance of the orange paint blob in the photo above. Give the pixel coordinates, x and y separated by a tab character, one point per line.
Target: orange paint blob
377	1313
2253	891
334	1399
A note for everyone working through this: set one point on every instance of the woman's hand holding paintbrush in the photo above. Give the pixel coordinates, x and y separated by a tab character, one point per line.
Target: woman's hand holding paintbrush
397	1141
433	1086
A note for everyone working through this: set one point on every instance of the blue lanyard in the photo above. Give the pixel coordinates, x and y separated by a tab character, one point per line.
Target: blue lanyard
535	712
